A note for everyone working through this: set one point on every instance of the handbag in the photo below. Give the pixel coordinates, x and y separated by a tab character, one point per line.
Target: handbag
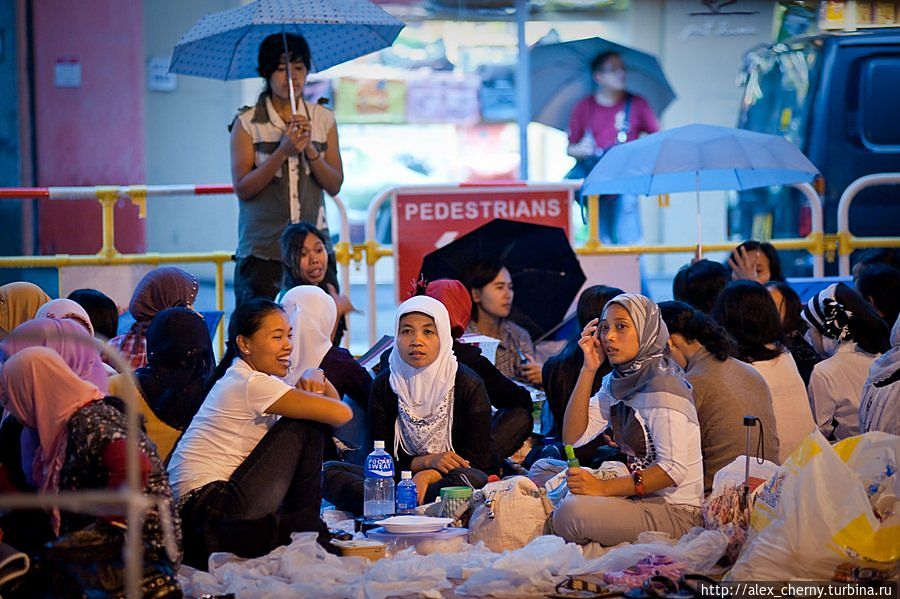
509	514
89	563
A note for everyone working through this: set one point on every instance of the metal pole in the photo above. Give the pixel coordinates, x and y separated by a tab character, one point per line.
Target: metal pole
523	86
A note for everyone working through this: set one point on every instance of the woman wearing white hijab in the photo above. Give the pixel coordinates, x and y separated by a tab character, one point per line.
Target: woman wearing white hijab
648	403
879	408
432	413
312	313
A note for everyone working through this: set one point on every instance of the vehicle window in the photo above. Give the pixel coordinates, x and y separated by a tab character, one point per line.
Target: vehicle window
878	90
779	84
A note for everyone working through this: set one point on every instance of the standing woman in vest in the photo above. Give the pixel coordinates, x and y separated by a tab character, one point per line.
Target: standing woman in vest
281	162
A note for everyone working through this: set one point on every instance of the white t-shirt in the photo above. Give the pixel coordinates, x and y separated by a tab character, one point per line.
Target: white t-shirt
228	426
835	388
790	403
674	446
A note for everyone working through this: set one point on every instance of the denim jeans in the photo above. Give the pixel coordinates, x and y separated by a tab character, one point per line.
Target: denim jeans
277	490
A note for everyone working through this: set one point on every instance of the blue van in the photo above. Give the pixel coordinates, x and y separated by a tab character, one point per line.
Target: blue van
836	95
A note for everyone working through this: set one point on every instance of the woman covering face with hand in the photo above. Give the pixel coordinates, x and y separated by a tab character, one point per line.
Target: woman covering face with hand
647	402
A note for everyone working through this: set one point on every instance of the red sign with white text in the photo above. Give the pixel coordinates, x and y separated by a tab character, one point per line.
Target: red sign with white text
428	219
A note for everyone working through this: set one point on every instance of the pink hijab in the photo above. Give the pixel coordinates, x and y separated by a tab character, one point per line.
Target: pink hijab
43	393
66	308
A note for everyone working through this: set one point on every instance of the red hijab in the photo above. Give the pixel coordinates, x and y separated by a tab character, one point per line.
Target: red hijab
456	299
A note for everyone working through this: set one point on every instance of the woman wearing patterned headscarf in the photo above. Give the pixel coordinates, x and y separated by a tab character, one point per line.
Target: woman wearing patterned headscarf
849	335
162	288
647	402
19	302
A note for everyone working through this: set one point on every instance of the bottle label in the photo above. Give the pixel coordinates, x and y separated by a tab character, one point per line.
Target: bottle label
379	466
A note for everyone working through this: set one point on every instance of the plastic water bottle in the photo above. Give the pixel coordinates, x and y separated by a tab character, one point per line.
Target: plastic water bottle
379	486
571	460
407	495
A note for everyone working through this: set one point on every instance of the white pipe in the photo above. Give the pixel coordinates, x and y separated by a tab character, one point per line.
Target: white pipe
344	235
817	224
371	214
843	210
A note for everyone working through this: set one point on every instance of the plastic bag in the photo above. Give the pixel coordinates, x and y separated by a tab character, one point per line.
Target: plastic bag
557	489
815	518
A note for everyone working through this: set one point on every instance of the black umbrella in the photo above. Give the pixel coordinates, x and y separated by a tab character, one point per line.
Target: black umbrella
544	269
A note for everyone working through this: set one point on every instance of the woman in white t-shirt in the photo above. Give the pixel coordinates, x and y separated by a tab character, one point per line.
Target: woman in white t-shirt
247	472
749	313
649	406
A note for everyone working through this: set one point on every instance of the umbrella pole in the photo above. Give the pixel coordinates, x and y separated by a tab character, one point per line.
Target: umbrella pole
699	221
287	65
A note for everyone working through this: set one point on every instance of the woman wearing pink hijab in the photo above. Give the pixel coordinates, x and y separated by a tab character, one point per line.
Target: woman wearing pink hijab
81	440
59	309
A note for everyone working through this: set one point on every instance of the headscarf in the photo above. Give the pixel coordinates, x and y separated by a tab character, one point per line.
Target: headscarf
180	362
66	308
19	302
837	315
43	394
888	363
68	339
312	314
651	370
651	379
456	299
162	288
425	395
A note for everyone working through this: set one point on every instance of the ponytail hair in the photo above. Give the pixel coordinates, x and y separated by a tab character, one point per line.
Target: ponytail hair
245	320
694	325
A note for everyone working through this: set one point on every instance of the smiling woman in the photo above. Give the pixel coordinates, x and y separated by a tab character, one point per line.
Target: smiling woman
251	459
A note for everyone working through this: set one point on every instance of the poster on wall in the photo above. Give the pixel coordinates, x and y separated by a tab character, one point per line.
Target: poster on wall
370	100
442	98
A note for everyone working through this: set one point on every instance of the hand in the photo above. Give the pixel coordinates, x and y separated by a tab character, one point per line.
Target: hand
422	480
743	264
312	380
531	372
445	462
590	345
296	138
582	482
584	148
344	306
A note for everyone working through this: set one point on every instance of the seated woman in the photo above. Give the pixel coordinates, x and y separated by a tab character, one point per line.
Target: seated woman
81	443
789	308
101	309
647	402
879	408
431	412
172	385
491	288
19	302
305	261
161	288
248	470
755	261
312	314
747	312
844	330
66	308
725	390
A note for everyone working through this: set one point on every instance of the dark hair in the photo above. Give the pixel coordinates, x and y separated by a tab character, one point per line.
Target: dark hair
480	274
881	283
245	320
890	256
271	53
601	59
748	312
792	307
703	282
102	310
694	325
591	303
678	283
775	273
292	241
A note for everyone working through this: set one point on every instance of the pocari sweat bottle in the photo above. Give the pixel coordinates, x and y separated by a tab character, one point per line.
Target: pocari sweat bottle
379	486
407	496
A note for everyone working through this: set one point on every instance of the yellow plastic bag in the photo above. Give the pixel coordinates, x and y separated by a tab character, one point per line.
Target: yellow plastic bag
829	513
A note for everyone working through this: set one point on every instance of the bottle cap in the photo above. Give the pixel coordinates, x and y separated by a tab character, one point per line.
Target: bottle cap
570	452
379	444
406	475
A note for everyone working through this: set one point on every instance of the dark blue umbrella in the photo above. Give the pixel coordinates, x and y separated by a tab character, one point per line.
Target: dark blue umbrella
699	158
561	76
225	45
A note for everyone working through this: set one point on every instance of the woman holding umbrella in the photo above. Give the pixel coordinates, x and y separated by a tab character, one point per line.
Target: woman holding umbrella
282	160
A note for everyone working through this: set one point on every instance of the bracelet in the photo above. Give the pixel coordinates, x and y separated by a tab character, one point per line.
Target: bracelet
638	476
318	155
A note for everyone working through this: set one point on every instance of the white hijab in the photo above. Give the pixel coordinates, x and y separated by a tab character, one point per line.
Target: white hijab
425	395
312	314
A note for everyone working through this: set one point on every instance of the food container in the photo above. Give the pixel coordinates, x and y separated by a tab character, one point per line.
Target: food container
453	499
447	540
367	548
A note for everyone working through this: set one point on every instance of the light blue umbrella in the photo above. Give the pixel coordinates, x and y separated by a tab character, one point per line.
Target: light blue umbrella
225	45
561	76
699	157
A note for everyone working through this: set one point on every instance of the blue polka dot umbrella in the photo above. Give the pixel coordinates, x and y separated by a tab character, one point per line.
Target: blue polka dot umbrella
225	45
